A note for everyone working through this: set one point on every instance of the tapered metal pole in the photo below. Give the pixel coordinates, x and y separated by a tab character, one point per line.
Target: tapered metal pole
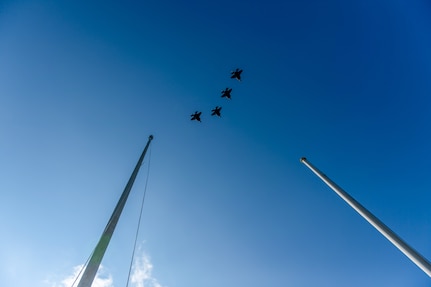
97	256
414	256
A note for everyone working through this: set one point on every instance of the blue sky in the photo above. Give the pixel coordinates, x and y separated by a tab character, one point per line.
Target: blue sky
344	83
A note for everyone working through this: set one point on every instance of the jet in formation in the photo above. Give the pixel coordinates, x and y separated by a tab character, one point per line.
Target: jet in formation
216	111
236	74
226	93
196	116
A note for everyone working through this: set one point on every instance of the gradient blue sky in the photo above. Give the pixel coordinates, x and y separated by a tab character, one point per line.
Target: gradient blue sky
344	83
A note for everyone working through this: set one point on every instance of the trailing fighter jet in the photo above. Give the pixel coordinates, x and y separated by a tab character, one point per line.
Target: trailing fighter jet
196	116
236	74
216	111
226	93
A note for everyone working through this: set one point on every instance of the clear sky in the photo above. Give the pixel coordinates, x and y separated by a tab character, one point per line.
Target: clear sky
344	83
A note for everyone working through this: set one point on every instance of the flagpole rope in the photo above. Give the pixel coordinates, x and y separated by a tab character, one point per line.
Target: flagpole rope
139	222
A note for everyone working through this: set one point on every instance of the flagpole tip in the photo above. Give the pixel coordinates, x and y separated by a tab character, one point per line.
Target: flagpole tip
302	159
150	137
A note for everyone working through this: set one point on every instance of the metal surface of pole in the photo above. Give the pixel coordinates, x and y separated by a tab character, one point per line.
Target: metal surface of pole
412	254
97	256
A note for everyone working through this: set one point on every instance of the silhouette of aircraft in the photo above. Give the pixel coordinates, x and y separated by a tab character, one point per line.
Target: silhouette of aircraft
216	111
226	93
236	74
196	116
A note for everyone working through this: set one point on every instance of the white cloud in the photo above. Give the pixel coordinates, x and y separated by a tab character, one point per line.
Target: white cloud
141	275
101	280
142	272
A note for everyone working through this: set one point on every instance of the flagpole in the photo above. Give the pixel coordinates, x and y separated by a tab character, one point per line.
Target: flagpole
412	254
97	256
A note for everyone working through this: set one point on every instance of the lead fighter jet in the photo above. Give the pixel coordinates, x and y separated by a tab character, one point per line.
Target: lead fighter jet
216	111
196	116
226	93
236	74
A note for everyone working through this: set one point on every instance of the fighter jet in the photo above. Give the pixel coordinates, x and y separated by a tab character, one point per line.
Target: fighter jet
196	116
216	111
236	74
226	93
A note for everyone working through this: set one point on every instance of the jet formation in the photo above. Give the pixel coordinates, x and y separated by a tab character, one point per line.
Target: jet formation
226	93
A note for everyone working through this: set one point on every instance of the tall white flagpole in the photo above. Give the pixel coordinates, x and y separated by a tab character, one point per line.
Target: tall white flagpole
97	256
412	254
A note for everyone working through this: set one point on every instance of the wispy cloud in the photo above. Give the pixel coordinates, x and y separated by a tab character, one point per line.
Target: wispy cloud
102	279
141	275
142	272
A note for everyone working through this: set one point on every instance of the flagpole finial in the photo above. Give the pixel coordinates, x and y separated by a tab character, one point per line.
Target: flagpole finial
150	137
